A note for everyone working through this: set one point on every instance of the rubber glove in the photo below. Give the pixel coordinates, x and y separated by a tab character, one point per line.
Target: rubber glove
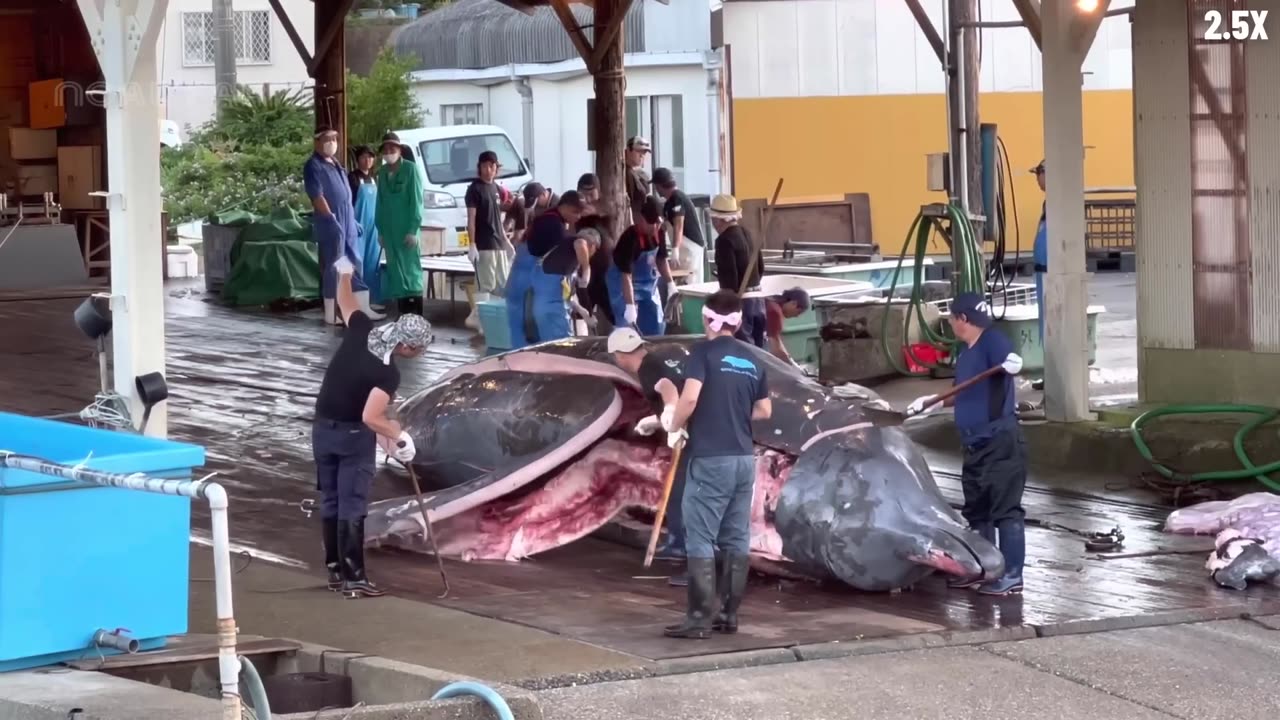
675	437
405	449
922	405
1012	364
629	314
473	254
343	266
668	417
648	426
411	240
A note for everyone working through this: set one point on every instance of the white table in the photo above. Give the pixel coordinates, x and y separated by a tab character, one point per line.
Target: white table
452	267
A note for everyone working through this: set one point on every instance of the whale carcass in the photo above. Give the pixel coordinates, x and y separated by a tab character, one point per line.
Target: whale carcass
532	449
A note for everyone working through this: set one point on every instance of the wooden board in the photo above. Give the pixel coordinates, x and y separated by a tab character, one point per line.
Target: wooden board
843	221
188	648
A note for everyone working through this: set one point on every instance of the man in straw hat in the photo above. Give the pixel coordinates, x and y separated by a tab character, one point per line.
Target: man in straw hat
733	256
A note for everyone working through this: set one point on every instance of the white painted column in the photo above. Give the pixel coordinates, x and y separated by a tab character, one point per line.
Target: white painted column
1066	386
125	43
714	182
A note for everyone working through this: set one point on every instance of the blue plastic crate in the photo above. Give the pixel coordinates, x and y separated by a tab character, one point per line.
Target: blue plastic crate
493	321
74	560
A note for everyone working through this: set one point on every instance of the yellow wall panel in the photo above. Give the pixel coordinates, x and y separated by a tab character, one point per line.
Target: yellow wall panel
877	144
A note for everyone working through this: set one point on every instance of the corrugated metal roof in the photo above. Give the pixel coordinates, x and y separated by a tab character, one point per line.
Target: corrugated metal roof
473	34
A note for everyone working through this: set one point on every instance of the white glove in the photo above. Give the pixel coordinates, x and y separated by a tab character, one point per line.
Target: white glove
411	240
648	426
630	314
473	254
922	405
344	266
675	437
405	450
668	417
1012	364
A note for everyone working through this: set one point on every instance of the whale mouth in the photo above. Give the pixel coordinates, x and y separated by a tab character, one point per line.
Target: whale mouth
954	554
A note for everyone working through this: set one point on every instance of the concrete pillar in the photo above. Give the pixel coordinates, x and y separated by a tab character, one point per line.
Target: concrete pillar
124	39
1066	386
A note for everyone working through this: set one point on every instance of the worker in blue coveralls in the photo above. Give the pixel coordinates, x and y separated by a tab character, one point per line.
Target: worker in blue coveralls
333	224
639	259
364	195
350	414
1040	256
995	454
725	390
552	262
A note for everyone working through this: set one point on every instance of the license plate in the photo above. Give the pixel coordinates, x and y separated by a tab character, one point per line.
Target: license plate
464	240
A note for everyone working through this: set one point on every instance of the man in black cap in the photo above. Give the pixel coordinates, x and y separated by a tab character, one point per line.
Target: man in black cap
589	189
688	247
536	199
490	250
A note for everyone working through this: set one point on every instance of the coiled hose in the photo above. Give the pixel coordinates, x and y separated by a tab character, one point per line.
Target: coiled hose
484	692
1264	415
969	276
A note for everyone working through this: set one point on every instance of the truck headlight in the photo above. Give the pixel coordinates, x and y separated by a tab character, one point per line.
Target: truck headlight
433	200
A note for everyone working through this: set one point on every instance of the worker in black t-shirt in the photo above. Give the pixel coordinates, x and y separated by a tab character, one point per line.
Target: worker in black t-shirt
351	412
639	259
688	247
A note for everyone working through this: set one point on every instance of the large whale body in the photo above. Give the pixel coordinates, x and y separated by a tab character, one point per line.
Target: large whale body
533	449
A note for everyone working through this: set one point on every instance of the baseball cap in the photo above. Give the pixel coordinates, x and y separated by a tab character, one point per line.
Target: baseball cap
587	182
638	143
663	177
488	156
973	307
531	193
624	340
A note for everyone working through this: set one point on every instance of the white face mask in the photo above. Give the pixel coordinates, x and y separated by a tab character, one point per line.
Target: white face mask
329	148
391	158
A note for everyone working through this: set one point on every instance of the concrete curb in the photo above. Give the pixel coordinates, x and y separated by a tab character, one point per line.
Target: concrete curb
1169	617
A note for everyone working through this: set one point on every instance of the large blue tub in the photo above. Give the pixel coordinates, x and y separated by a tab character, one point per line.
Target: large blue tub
75	559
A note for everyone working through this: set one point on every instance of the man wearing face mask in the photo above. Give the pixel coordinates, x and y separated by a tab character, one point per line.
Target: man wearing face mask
399	221
334	227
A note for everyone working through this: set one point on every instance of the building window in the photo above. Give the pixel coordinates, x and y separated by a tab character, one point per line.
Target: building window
468	114
252	38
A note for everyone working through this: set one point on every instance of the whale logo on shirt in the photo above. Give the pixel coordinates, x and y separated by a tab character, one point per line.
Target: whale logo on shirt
738	364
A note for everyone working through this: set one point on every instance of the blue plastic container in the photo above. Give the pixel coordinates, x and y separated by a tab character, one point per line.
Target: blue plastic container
74	559
493	321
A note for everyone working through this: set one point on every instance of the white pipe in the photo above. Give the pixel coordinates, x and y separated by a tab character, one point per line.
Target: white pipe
228	661
713	125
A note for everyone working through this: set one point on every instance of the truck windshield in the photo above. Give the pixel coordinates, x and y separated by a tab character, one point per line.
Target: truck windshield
453	160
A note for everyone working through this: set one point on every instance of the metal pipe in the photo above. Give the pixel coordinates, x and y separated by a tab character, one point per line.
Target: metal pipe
115	640
947	64
216	496
961	116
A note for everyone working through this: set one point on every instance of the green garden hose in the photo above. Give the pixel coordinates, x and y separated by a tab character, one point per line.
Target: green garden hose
1264	416
968	276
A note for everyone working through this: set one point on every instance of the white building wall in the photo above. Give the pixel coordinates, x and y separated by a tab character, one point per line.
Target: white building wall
560	153
805	48
677	26
187	91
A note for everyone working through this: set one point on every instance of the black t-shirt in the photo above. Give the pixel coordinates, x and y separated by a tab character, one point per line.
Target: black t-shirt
631	244
658	363
484	198
561	259
353	373
731	384
545	232
733	254
680	204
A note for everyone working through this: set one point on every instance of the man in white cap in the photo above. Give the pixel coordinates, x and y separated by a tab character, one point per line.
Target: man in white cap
732	257
660	370
638	149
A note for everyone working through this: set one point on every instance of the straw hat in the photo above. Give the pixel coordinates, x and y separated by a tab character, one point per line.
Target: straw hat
725	207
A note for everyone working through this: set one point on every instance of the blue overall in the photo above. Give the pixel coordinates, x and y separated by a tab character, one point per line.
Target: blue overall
519	283
550	308
366	204
335	234
1040	256
644	286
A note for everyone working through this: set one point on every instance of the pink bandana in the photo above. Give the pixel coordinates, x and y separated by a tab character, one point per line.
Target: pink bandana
718	322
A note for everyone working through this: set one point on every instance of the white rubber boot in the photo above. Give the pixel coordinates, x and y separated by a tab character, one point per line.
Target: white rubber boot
330	313
473	320
362	297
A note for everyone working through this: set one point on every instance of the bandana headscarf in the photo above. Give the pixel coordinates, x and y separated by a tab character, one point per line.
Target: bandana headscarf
717	321
411	330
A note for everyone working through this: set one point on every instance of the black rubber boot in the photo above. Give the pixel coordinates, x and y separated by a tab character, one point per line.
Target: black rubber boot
702	598
356	582
332	553
733	585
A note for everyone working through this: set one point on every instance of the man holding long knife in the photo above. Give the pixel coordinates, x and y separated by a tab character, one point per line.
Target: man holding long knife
724	391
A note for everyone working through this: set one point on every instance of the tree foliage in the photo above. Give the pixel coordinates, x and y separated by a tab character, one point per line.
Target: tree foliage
382	101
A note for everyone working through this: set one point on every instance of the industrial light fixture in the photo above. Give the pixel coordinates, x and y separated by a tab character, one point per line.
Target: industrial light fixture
1087	6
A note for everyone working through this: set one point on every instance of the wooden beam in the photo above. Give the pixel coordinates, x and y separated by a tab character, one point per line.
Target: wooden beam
294	37
926	27
610	122
1030	12
579	40
330	70
336	24
606	38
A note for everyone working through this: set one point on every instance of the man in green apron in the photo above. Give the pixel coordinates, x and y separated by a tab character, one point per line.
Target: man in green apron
399	220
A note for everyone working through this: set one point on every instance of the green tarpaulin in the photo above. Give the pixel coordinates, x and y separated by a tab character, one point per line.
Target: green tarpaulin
273	258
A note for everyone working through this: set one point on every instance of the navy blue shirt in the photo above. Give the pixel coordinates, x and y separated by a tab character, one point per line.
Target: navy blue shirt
546	232
981	408
732	382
